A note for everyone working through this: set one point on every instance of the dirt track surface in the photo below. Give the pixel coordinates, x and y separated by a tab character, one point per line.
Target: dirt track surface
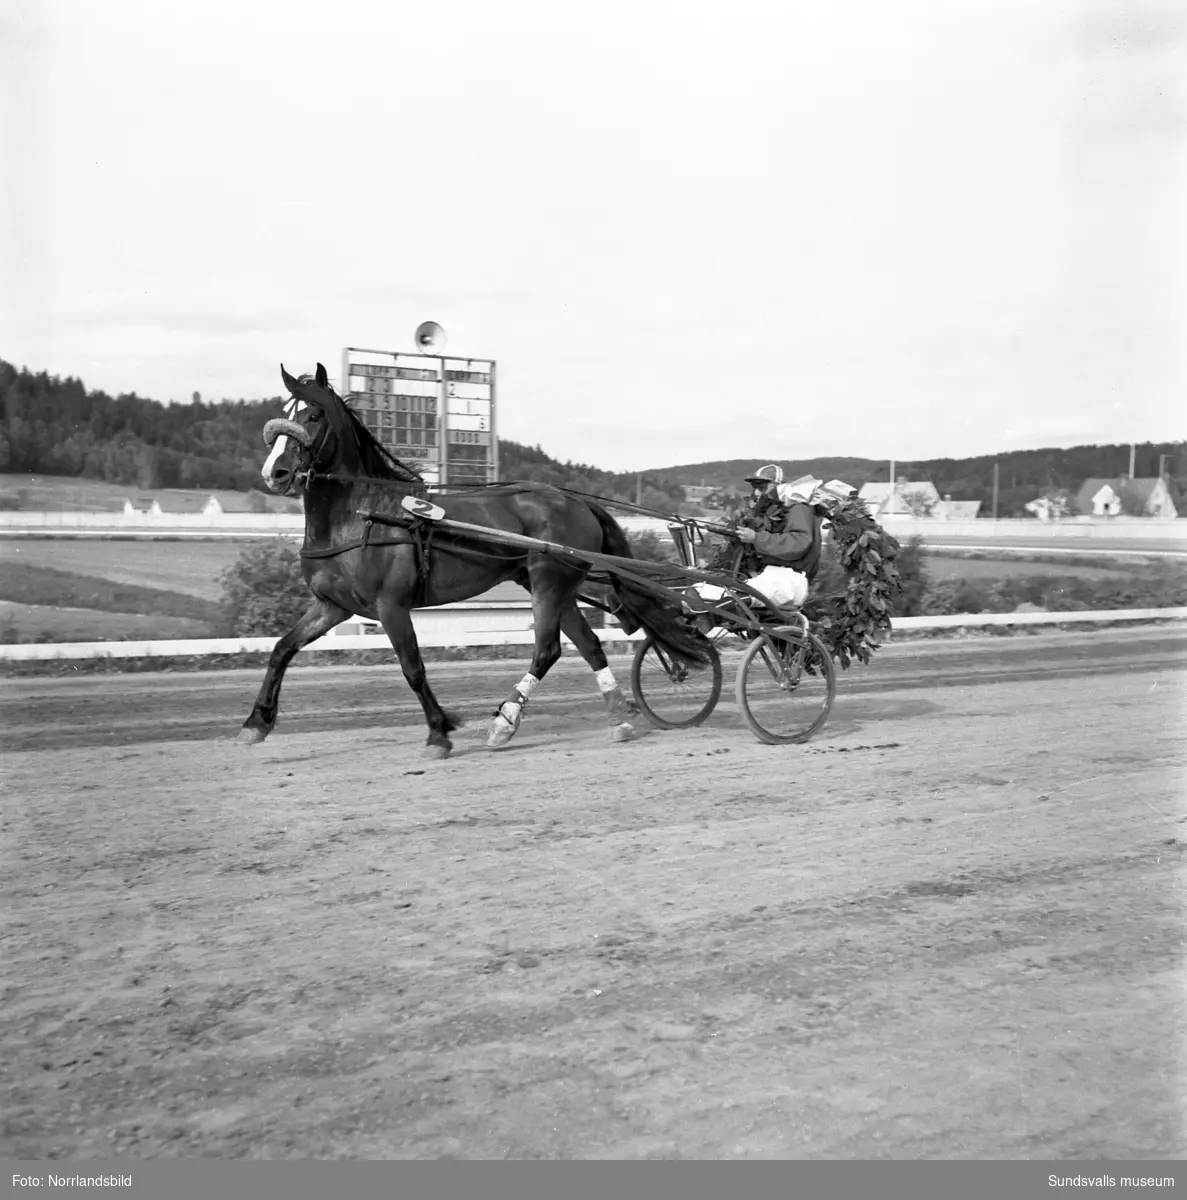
949	927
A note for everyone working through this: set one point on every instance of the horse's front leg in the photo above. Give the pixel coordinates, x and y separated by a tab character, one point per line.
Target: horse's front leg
397	624
318	619
548	600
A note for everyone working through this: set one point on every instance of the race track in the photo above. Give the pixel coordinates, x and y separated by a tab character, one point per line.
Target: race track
951	926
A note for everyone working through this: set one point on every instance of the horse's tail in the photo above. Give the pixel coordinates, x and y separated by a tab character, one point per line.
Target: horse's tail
640	608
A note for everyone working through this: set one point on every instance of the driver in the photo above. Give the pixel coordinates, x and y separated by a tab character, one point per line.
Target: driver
781	538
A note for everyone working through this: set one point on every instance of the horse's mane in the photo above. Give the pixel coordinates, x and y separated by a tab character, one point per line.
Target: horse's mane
374	460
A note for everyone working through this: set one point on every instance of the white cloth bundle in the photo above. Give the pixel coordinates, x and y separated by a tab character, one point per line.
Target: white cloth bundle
798	490
810	490
781	585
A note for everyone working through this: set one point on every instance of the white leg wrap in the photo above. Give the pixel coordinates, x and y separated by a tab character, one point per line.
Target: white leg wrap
617	705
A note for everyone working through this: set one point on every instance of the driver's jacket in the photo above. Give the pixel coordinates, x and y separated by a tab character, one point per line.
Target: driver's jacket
785	536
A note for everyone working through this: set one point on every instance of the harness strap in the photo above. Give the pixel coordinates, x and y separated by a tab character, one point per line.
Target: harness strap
454	546
424	545
357	544
415	534
361	543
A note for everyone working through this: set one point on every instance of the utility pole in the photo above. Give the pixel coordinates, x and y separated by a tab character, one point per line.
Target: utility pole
995	482
890	498
1132	452
639	488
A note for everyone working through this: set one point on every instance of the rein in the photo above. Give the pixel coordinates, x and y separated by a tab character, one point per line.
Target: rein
416	527
413	531
605	501
419	534
463	488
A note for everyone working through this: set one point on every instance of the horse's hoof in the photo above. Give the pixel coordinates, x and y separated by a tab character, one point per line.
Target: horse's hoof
501	732
436	751
250	736
622	733
503	728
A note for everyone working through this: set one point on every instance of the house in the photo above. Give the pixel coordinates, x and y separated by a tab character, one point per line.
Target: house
918	499
172	502
698	493
179	503
1051	505
255	502
1125	496
636	523
960	510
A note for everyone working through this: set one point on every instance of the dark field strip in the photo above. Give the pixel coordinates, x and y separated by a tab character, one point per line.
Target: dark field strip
24	583
190	566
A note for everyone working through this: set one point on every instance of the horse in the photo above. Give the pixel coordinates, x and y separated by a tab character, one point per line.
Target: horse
322	450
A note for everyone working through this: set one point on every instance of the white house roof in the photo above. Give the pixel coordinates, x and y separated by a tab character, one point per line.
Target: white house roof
877	495
870	491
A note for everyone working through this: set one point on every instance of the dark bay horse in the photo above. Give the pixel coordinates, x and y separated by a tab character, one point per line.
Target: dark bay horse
321	448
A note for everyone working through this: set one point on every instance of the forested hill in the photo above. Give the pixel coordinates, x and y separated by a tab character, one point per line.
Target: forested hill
54	426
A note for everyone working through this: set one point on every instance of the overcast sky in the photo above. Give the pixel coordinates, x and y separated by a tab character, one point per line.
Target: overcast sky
686	231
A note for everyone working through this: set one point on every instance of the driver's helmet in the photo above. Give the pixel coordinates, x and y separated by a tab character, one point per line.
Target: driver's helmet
764	477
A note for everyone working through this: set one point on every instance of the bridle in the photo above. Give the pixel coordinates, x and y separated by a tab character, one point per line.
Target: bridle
311	446
312	455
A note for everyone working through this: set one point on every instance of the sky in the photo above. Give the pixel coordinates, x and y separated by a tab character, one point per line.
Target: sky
685	231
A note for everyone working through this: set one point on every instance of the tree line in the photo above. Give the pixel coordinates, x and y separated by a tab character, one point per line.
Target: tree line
55	426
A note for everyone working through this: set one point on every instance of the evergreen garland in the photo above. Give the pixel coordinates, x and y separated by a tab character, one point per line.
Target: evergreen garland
853	625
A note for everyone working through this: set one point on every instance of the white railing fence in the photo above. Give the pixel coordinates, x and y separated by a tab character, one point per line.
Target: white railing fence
460	632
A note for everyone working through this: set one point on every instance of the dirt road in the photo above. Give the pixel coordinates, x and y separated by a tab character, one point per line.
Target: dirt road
950	927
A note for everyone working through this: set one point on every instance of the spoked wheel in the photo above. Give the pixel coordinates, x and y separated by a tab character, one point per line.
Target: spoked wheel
785	687
674	695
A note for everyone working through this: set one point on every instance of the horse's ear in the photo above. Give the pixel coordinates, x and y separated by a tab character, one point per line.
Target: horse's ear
323	380
289	381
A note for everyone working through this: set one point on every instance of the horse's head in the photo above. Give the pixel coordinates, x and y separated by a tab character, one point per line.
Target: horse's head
305	438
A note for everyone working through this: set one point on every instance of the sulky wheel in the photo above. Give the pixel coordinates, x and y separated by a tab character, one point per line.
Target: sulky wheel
673	695
785	686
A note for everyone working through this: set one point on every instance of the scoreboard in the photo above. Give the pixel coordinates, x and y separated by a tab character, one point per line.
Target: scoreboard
435	412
